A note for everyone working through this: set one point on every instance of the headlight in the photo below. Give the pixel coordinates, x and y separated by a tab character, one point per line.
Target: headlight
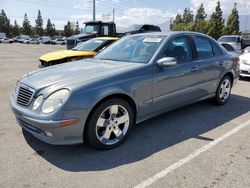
37	102
55	101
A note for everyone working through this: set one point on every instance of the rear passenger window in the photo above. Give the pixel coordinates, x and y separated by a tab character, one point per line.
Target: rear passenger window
217	50
203	47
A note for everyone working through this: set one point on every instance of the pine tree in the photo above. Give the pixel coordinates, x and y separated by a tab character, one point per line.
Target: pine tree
39	24
178	24
201	14
5	23
26	26
183	22
77	29
68	31
50	30
216	23
187	16
200	24
233	24
15	29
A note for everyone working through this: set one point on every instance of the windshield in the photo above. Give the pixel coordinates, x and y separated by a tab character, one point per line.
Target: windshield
138	49
89	28
90	45
227	39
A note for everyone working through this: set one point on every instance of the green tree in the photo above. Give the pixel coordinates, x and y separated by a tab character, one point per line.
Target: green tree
216	22
68	31
50	29
178	24
183	22
39	24
26	26
187	16
200	24
16	29
201	14
5	23
77	29
233	23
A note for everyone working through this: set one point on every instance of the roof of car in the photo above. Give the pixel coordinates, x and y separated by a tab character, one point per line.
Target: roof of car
168	33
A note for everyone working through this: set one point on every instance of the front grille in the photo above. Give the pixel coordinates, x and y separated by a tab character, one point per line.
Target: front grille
24	95
71	42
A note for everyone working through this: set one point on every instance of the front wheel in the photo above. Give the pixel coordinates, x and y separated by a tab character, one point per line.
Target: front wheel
109	124
223	91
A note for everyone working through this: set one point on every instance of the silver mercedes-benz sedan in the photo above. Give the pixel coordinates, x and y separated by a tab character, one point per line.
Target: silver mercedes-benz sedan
98	100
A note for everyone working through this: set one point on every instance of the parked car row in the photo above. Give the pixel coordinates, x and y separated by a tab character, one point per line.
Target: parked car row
26	39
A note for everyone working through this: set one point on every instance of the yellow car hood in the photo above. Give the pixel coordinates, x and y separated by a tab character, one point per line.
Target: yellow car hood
64	54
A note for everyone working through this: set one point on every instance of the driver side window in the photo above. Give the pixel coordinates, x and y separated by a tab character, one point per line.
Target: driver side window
180	49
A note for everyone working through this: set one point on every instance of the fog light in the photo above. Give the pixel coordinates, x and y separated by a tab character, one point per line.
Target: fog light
47	133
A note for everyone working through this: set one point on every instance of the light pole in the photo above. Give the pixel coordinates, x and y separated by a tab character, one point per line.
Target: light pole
94	10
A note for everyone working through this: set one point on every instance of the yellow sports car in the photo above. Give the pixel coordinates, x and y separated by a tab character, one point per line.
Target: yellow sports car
82	50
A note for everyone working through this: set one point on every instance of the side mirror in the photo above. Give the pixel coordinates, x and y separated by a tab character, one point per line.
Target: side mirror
167	62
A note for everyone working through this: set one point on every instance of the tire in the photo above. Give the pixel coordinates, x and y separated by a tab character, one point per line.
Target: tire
109	133
223	91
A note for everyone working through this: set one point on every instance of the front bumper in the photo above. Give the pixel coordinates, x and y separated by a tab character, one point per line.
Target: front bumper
49	129
244	70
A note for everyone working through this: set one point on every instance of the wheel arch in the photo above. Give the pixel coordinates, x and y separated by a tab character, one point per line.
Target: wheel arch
122	96
231	76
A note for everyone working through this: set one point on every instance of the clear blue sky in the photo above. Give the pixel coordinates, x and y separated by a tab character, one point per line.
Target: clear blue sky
127	12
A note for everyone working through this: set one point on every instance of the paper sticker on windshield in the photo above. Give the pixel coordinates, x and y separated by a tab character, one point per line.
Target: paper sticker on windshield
152	40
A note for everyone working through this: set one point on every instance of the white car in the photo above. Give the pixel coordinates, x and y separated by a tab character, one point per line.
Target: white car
6	40
231	48
245	63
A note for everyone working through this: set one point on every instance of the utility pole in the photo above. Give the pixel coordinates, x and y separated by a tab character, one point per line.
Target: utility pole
93	10
113	15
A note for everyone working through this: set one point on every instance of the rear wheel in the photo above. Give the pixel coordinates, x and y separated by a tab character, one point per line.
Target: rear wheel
109	124
223	91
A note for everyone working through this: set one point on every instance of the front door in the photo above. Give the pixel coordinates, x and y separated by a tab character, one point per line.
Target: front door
174	86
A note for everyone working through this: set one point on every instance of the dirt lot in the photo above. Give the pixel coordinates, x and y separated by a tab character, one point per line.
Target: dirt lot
200	145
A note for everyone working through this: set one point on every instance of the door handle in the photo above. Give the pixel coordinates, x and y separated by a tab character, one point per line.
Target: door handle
221	63
194	69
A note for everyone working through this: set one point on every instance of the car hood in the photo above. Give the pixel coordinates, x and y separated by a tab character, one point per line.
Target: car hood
64	54
68	75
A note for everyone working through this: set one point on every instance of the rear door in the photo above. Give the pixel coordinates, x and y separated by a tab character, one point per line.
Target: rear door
211	64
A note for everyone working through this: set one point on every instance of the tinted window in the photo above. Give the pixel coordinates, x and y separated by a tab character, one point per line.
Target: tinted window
179	48
217	50
228	47
203	47
154	28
